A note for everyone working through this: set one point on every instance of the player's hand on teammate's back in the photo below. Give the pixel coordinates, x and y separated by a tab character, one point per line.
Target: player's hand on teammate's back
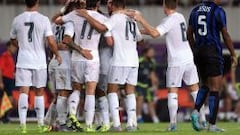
86	54
59	59
135	14
82	12
234	61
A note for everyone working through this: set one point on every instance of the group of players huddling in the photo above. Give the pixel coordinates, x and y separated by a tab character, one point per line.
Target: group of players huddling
99	52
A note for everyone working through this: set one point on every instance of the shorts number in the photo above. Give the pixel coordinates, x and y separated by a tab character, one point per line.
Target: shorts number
30	31
89	36
130	26
202	22
184	33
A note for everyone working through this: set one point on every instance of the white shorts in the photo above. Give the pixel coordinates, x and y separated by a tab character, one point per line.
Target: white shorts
31	77
187	73
103	82
84	71
60	78
123	75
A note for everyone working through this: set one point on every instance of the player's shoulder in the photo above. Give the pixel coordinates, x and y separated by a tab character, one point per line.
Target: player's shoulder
96	14
220	9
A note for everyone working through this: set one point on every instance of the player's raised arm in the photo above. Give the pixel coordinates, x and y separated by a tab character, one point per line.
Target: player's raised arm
101	28
148	29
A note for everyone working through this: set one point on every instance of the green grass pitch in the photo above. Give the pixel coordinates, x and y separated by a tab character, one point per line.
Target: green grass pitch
145	129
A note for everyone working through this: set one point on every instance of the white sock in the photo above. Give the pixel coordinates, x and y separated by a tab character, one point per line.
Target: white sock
202	112
131	109
22	108
98	117
61	107
51	114
104	109
89	108
114	108
73	102
39	108
173	107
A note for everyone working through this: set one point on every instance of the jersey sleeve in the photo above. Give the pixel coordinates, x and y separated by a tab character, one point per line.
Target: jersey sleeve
190	21
69	29
221	18
13	32
67	17
107	34
48	29
164	27
110	23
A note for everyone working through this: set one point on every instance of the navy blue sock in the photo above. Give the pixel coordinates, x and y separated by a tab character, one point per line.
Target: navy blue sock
213	100
201	97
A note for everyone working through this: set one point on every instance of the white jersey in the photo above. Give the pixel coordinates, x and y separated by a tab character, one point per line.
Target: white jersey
178	49
85	35
59	32
30	29
106	53
126	34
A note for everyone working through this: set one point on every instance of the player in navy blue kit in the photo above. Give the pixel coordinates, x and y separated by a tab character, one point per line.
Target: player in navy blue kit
207	21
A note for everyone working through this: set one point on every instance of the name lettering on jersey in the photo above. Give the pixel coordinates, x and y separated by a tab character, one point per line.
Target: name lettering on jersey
204	9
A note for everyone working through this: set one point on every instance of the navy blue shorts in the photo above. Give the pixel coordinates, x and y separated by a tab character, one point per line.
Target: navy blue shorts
209	61
146	93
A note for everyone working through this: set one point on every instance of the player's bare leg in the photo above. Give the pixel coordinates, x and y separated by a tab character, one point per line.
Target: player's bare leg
152	111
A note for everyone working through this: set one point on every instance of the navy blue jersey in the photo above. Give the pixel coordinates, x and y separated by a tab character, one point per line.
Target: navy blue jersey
146	66
207	20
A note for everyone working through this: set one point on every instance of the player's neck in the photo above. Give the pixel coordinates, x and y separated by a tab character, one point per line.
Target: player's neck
169	12
118	10
32	9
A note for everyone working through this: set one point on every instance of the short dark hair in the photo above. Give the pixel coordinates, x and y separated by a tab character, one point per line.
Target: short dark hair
171	4
119	3
91	3
30	3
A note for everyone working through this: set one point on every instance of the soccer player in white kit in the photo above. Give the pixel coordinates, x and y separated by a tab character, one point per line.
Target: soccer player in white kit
180	58
29	31
102	117
124	66
83	70
60	76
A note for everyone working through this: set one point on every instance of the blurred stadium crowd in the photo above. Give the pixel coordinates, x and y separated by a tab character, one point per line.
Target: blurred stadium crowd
130	2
